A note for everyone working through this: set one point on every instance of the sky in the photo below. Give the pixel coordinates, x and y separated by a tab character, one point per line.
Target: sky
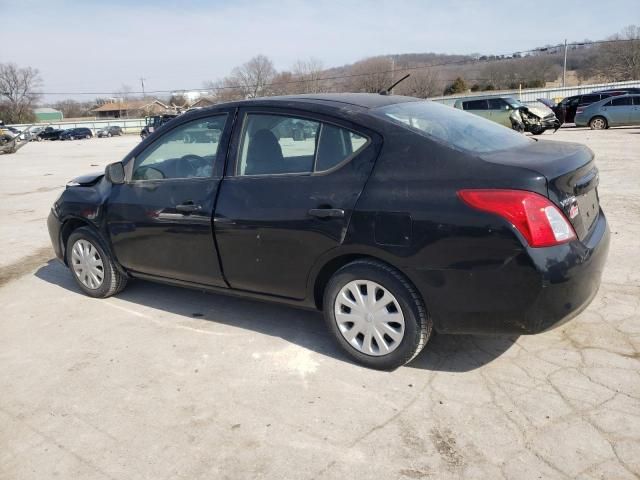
98	46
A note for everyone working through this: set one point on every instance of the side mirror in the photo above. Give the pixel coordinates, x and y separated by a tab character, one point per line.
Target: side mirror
115	173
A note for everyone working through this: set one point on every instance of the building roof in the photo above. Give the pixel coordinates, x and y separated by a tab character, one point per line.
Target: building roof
129	105
46	110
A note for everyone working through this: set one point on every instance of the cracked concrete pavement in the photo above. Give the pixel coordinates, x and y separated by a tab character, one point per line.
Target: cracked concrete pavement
161	382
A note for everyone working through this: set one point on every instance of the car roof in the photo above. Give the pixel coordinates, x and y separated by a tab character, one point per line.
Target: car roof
484	97
362	100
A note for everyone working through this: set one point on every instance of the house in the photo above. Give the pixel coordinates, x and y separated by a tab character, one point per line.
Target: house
130	109
204	102
44	115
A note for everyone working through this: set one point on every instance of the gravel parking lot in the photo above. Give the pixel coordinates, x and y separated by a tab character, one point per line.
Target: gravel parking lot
161	382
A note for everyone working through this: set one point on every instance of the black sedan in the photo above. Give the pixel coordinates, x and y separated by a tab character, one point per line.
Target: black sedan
76	134
394	216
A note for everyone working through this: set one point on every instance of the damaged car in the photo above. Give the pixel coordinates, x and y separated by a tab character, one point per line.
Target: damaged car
512	113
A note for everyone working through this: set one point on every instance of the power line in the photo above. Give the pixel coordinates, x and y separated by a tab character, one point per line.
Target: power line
487	59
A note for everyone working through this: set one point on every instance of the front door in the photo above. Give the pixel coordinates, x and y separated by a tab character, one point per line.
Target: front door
160	220
292	182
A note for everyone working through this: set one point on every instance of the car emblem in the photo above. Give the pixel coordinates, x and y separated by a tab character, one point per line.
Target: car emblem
573	211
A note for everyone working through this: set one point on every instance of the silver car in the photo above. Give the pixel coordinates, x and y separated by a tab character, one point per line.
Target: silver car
610	112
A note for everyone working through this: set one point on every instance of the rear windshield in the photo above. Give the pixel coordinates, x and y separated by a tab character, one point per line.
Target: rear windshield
454	127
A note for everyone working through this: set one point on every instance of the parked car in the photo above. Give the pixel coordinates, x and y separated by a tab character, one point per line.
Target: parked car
611	112
34	133
398	218
566	109
110	131
620	91
76	133
511	113
155	122
50	133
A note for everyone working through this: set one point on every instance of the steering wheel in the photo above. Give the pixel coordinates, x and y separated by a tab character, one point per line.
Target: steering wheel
189	165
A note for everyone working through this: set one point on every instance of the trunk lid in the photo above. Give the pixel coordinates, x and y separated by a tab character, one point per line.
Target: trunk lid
571	174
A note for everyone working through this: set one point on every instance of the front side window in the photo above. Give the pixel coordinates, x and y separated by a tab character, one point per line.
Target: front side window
280	144
453	127
188	151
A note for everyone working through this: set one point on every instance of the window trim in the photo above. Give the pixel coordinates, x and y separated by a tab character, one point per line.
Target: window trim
302	116
132	161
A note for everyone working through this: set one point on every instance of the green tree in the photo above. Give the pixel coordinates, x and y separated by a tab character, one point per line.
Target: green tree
458	86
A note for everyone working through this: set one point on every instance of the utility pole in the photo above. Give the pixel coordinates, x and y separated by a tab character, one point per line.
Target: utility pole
564	65
142	82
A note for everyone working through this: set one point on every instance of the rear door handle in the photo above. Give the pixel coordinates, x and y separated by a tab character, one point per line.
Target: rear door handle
326	212
188	207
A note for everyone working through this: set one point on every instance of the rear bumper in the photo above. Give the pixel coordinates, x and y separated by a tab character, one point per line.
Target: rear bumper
533	292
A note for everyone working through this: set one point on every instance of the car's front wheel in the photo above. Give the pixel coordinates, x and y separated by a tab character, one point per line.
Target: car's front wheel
93	268
376	315
598	123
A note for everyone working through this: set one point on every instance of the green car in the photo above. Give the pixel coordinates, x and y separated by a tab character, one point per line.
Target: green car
511	113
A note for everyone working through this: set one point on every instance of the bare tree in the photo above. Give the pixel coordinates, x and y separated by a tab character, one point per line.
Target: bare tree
225	90
74	109
421	84
124	91
18	92
617	61
370	75
308	74
254	77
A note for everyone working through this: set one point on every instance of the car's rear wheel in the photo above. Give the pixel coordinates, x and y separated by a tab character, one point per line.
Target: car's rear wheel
376	315
93	268
88	137
109	134
598	123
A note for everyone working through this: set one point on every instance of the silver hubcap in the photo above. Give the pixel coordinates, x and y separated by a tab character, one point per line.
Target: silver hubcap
369	317
598	123
87	264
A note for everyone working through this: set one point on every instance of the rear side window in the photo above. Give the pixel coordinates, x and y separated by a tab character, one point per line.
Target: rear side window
620	102
453	127
475	105
281	144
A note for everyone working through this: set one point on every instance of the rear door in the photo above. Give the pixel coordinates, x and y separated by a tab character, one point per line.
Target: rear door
292	181
618	110
160	220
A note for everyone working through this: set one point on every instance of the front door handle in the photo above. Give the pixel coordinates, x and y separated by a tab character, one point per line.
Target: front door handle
326	212
188	207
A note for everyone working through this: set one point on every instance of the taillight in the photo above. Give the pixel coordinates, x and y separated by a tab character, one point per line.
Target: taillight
579	110
539	221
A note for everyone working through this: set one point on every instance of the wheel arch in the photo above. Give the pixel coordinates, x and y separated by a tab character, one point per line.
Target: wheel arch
334	264
68	227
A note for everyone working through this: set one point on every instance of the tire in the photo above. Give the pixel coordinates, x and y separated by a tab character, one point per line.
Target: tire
88	246
538	130
88	137
404	300
108	135
598	123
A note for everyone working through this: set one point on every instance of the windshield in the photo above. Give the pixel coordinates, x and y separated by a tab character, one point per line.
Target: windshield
513	103
454	127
